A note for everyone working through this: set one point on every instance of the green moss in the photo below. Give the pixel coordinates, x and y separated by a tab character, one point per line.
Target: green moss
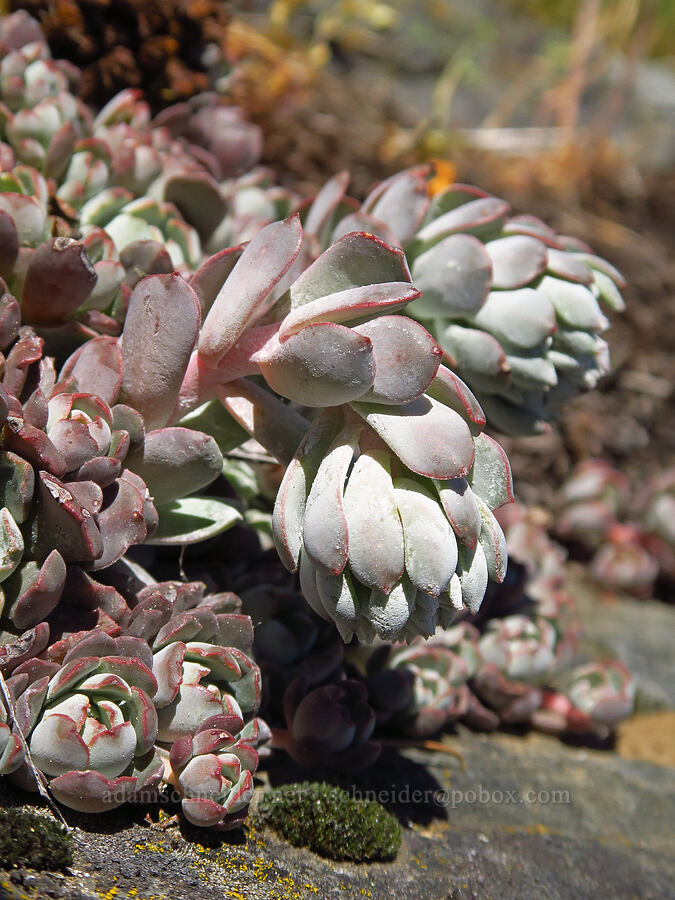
32	841
331	822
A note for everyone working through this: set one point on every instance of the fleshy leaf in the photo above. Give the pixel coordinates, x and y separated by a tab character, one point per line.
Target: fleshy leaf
322	365
428	438
376	551
160	332
259	269
174	462
406	358
430	545
454	276
491	478
193	519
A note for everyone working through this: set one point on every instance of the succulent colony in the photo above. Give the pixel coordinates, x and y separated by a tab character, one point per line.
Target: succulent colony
166	309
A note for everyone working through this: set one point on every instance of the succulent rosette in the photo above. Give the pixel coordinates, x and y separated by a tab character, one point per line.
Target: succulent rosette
658	521
591	500
437	540
515	307
328	726
591	698
90	722
521	647
208	692
440	694
83	479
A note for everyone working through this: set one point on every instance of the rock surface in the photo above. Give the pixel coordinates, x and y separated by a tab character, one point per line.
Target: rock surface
529	818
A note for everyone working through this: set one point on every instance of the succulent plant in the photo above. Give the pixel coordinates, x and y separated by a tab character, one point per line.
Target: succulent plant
593	698
440	693
591	501
657	521
208	694
621	530
90	722
11	750
513	305
521	647
328	726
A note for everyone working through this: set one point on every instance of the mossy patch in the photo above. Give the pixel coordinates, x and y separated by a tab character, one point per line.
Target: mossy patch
28	840
330	822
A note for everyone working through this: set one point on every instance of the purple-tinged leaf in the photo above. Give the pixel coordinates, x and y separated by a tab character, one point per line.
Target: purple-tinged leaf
451	391
10	318
24	649
531	226
72	438
325	535
402	206
379	190
263	263
33	590
362	222
430	545
352	303
143	258
569	266
36	410
86	593
376	553
58	514
9	244
26	352
212	274
92	792
428	438
175	462
59	278
461	507
473	217
121	523
491	478
34	446
356	260
516	260
406	359
160	332
322	365
87	493
325	203
276	426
